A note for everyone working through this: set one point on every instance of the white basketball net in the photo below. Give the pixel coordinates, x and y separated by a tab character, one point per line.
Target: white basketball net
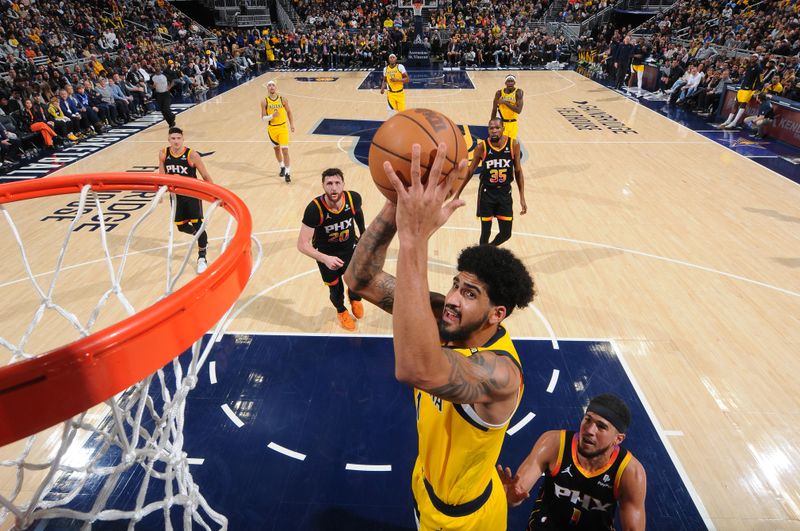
142	431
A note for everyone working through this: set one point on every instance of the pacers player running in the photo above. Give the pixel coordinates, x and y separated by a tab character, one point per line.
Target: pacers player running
508	104
394	78
177	159
275	110
452	349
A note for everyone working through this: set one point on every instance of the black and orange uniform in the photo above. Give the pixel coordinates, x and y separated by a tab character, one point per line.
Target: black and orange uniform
187	209
455	483
573	498
335	235
494	194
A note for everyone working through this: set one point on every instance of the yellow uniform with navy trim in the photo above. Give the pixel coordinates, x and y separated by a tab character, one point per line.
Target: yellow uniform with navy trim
574	498
455	483
508	116
278	127
396	96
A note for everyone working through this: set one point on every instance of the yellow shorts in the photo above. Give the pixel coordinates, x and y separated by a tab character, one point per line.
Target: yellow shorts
493	515
744	96
510	129
637	68
396	100
279	135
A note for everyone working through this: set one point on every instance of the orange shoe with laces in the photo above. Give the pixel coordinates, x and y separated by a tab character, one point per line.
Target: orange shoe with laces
358	309
346	321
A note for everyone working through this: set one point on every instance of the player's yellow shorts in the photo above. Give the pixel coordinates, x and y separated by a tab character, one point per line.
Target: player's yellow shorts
492	515
279	135
637	68
744	96
510	129
396	100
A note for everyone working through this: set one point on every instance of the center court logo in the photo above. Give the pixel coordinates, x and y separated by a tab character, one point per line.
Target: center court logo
585	116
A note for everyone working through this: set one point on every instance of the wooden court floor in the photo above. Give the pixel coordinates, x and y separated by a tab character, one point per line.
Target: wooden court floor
684	253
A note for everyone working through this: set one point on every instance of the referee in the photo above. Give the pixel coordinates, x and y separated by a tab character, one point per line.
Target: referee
161	88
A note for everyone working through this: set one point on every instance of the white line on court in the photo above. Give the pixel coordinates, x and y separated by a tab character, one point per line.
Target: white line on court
521	424
553	381
661	435
212	372
195	460
231	415
549	328
673	433
285	451
368	468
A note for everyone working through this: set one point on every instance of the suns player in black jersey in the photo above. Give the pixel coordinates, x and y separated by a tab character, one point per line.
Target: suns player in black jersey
500	156
328	235
177	159
586	474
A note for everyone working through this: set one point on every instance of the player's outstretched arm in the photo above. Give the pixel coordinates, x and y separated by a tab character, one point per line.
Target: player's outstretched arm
543	454
477	156
633	489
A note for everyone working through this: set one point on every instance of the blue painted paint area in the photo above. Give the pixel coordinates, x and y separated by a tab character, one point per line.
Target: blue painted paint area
364	130
335	399
423	79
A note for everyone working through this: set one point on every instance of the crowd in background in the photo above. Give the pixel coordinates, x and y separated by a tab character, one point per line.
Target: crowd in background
73	69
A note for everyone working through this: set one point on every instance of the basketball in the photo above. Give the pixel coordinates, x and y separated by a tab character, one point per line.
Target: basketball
393	140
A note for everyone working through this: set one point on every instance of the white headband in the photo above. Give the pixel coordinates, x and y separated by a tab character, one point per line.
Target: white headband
510	77
271	82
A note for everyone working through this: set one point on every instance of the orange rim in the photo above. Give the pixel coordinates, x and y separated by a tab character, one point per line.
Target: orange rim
59	384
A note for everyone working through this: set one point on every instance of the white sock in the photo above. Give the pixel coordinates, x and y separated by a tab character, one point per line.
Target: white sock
739	114
281	164
729	120
288	169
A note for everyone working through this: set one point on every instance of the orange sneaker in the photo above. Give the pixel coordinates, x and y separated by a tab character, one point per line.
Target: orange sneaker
358	309
346	321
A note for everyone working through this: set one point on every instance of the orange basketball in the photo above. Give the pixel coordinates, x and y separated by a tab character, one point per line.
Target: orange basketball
393	140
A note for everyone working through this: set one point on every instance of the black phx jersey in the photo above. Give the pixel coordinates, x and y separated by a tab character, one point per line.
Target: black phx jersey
494	193
334	231
187	209
573	498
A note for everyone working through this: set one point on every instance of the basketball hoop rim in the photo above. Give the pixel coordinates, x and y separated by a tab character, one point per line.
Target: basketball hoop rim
57	385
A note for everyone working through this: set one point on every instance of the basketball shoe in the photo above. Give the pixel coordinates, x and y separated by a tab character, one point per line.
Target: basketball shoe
346	321
358	309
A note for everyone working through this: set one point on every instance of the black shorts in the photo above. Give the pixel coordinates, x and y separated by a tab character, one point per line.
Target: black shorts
329	276
495	203
188	209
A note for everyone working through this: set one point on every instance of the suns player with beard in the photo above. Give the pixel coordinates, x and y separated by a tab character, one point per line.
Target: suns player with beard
328	235
453	350
177	159
586	474
500	156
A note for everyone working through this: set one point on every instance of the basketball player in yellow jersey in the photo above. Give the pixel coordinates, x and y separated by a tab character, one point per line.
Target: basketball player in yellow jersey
508	104
452	349
395	77
275	110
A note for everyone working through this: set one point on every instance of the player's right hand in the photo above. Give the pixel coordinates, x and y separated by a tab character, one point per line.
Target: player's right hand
515	493
382	91
333	262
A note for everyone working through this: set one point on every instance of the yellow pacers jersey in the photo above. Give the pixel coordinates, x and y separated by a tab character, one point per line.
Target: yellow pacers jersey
506	113
457	449
276	105
394	78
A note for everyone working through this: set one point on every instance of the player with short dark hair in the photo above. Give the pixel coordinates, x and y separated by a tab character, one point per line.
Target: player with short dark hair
452	349
328	235
586	474
500	156
177	159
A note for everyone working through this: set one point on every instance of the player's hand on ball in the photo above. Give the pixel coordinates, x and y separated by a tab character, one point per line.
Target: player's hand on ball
332	262
421	208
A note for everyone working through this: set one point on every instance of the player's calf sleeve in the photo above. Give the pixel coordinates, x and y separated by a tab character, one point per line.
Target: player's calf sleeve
486	229
504	234
337	295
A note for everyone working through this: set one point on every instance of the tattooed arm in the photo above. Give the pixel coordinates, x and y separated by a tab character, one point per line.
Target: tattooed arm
365	274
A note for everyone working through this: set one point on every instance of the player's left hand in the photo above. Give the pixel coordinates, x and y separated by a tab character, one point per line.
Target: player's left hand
291	128
523	207
421	208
